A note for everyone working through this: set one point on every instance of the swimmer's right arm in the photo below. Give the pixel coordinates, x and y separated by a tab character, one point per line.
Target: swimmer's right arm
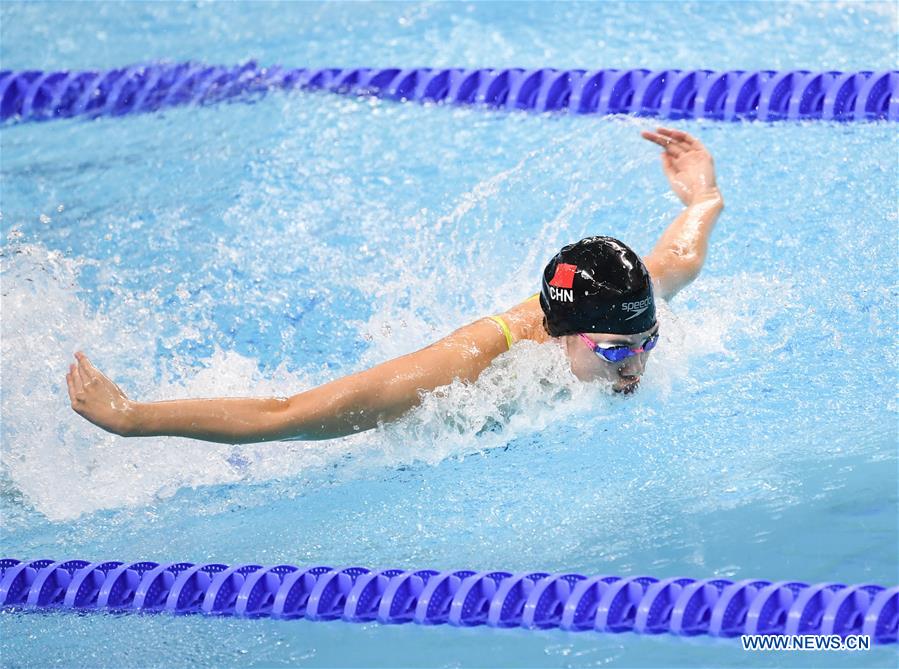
345	406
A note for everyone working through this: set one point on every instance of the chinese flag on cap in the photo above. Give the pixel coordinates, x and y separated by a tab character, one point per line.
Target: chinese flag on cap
564	275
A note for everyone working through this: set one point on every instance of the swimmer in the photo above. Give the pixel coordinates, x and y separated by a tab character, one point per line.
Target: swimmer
597	301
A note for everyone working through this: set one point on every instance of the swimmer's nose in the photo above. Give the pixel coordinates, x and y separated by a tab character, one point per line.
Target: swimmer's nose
632	367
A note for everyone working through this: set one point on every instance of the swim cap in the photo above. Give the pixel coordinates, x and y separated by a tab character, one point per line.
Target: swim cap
597	285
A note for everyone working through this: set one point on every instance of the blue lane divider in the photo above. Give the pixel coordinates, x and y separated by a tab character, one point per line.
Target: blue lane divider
463	598
765	95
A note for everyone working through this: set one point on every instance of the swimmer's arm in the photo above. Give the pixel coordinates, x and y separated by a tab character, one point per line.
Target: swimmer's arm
351	404
680	253
384	393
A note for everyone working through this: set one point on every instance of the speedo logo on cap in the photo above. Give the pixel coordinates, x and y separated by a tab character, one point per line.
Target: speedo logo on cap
636	307
560	286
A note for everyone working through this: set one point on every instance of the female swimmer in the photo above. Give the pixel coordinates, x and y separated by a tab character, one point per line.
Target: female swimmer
597	301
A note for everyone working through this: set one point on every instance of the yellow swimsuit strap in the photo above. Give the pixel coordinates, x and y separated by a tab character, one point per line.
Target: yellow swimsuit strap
505	328
502	323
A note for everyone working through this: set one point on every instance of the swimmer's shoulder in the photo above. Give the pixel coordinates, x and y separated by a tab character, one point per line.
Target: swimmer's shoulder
525	320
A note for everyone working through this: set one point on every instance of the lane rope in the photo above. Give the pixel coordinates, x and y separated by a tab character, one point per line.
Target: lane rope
533	600
735	95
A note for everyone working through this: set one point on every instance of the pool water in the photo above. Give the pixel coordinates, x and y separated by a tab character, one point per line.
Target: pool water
262	249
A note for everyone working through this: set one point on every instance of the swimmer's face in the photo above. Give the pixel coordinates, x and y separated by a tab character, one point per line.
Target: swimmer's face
624	375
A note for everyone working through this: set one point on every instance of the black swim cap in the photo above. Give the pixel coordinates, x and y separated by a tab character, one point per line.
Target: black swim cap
597	285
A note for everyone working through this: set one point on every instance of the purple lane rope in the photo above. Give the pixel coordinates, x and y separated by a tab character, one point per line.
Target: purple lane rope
533	600
734	95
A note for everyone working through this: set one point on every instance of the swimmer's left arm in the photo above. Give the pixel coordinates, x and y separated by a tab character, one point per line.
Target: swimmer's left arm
680	253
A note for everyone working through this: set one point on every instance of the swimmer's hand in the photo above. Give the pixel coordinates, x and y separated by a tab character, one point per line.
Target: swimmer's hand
687	164
98	399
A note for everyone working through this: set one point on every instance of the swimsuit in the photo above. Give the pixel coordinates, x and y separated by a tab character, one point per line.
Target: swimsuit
505	327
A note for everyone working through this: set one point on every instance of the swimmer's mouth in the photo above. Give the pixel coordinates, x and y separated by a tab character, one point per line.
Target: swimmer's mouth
628	387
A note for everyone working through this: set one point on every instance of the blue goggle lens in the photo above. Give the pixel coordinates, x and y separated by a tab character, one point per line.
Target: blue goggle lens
619	353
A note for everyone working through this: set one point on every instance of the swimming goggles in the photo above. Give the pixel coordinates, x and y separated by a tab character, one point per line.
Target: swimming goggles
619	353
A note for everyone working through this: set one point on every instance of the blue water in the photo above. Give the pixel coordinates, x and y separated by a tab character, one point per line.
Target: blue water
263	249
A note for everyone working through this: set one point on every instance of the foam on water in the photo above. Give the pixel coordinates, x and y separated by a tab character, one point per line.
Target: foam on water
64	467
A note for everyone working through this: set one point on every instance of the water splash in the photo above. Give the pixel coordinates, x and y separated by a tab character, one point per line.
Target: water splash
65	466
